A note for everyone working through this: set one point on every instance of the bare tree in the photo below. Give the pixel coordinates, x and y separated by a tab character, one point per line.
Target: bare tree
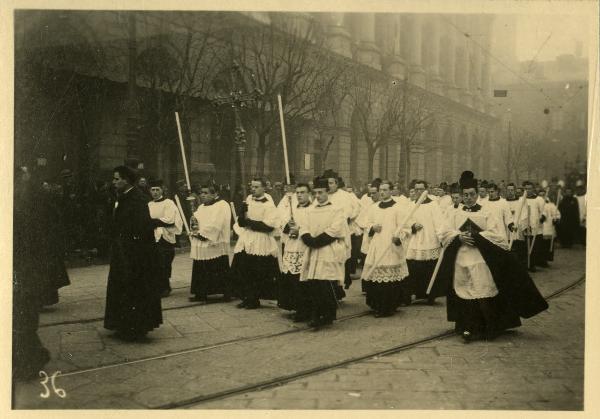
328	112
530	154
377	109
290	63
516	152
177	68
415	117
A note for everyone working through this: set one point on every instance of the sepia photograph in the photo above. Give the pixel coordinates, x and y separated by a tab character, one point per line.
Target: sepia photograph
303	207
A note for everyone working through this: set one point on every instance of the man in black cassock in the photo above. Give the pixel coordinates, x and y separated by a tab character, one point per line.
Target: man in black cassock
133	291
487	289
30	257
568	228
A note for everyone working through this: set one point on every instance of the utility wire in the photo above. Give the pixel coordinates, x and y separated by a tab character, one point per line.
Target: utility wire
488	53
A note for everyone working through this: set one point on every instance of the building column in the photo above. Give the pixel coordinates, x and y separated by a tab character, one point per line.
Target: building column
387	37
475	72
431	53
299	24
411	41
448	58
487	151
337	35
462	66
448	155
468	156
486	74
367	52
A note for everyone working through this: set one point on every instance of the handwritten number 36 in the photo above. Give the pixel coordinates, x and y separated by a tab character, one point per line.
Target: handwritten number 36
58	391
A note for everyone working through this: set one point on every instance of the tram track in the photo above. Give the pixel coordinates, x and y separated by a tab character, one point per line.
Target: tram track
207	347
284	379
98	319
281	380
179	307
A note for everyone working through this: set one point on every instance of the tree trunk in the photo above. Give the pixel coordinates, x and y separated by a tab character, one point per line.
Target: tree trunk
260	155
407	168
404	169
160	162
371	156
233	186
320	156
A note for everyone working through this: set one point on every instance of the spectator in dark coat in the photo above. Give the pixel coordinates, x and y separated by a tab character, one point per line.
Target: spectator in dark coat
133	294
28	353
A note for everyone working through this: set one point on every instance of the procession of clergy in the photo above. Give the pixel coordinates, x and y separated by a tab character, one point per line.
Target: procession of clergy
474	250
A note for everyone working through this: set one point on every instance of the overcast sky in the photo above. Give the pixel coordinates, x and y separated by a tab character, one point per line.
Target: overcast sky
550	35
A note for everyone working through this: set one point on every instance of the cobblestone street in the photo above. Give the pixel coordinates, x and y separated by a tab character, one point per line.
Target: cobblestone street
538	367
202	351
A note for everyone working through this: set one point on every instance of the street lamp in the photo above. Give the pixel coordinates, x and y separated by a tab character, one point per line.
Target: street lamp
237	99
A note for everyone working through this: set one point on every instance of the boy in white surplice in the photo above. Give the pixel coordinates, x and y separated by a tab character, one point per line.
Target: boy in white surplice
423	249
254	264
167	224
211	233
327	236
290	294
384	283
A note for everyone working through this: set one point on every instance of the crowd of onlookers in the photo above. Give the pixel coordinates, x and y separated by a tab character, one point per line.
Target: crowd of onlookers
82	216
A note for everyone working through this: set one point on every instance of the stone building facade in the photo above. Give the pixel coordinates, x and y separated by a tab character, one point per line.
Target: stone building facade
446	56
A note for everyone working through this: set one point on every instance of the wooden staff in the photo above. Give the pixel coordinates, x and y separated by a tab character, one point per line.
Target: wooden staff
436	270
529	247
185	223
516	222
235	218
285	154
408	217
185	169
291	209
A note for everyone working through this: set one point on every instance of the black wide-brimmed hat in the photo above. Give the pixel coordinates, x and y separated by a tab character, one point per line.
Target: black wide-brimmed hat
320	183
155	183
467	180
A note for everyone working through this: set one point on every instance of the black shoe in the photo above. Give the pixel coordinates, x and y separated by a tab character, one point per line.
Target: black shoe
299	318
532	269
241	305
430	301
315	322
226	298
471	337
252	306
165	293
130	336
377	314
492	335
327	321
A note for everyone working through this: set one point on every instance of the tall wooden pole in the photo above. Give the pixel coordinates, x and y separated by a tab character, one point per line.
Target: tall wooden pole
284	140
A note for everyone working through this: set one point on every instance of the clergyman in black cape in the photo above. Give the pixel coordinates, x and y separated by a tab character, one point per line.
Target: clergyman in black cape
487	290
